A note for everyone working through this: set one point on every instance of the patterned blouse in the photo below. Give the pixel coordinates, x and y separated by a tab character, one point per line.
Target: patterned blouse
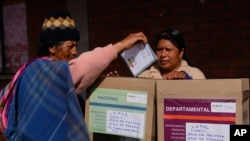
154	72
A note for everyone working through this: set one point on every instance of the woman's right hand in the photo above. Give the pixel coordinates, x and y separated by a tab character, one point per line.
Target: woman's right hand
114	73
175	75
129	41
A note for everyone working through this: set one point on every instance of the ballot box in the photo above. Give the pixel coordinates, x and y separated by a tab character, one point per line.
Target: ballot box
199	110
121	107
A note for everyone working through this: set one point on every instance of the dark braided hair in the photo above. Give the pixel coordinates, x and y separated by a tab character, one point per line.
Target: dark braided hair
177	39
43	47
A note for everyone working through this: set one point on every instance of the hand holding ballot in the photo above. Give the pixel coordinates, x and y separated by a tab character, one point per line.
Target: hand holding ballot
129	41
137	58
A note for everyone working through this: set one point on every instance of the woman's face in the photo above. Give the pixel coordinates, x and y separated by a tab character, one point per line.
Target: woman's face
169	57
64	52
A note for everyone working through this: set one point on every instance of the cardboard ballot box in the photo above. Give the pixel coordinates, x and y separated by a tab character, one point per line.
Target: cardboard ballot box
121	107
190	110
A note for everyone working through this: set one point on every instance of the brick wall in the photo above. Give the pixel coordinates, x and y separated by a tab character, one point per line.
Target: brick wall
217	33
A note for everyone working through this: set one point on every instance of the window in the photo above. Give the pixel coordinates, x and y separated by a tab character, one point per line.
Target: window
14	41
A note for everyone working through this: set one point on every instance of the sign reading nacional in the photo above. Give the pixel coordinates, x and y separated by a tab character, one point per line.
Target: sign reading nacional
118	112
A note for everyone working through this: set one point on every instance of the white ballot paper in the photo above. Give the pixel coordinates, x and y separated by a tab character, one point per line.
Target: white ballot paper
139	57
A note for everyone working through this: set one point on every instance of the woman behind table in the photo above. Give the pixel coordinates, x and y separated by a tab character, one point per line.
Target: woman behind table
43	104
172	61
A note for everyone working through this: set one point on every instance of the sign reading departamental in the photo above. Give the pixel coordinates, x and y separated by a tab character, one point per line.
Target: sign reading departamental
198	119
118	112
200	110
